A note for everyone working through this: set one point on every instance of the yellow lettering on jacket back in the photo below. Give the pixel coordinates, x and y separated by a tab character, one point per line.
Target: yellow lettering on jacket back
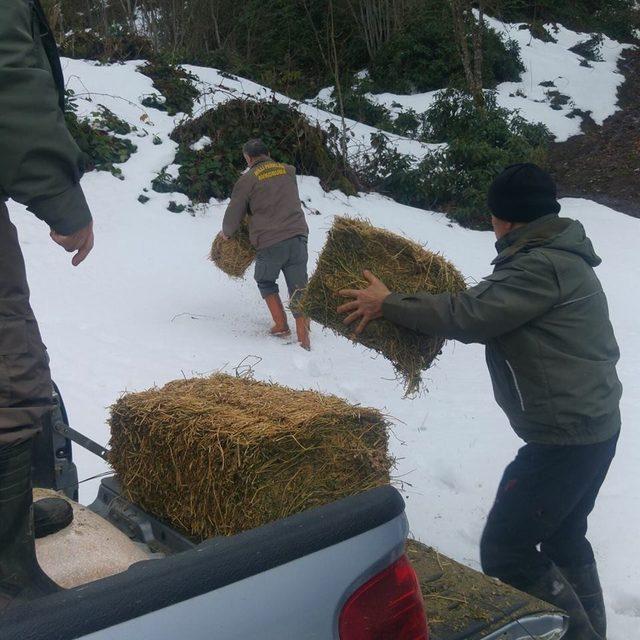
267	170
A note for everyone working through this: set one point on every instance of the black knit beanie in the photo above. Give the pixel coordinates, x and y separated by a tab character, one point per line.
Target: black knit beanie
523	193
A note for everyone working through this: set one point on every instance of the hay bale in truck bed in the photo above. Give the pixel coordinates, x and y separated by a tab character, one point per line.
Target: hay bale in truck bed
404	266
219	455
233	256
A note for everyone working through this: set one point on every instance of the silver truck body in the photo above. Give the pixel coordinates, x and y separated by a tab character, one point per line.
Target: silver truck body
275	604
288	579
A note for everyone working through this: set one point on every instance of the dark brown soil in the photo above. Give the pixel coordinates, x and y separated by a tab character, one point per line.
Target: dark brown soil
603	163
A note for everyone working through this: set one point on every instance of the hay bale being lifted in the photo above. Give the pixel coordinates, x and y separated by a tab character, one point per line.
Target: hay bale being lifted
234	256
219	455
404	266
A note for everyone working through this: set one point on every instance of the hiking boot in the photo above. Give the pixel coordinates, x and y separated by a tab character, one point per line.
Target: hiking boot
554	588
21	577
280	325
51	515
586	583
302	331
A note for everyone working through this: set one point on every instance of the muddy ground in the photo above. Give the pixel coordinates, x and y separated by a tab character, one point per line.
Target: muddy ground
603	163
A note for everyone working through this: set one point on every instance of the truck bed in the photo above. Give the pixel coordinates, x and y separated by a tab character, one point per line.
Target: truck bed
288	579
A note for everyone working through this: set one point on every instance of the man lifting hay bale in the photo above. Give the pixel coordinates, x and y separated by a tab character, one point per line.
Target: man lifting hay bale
268	194
220	455
355	245
552	355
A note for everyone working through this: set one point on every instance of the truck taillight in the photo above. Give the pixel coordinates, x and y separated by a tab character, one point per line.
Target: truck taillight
388	607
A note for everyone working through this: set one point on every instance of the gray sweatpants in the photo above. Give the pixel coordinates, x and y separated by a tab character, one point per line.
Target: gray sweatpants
289	257
25	381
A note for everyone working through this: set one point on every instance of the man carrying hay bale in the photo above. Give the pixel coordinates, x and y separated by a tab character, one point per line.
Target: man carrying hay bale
268	195
552	356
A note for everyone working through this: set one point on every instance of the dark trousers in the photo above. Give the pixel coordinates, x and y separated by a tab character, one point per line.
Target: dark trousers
544	499
289	257
25	381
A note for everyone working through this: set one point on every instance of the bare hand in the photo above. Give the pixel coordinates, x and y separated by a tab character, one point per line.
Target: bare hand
367	305
81	242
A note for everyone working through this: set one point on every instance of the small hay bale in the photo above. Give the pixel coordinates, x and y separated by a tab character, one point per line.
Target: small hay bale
404	266
220	455
234	256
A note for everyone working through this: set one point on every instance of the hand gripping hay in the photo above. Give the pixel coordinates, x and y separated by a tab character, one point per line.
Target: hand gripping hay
216	456
404	266
234	256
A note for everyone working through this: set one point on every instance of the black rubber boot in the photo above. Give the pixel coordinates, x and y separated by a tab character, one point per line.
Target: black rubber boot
21	577
586	583
51	515
554	588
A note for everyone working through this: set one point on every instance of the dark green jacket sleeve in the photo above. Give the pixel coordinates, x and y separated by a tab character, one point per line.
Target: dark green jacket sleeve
40	164
502	302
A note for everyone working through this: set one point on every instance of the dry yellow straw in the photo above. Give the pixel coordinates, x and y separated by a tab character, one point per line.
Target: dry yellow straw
404	266
219	455
234	256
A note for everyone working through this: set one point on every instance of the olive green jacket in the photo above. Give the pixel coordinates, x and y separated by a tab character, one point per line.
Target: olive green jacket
543	317
40	164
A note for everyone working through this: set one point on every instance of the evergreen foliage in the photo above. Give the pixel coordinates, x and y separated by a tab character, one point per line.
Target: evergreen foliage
212	171
618	19
102	149
174	83
456	178
424	56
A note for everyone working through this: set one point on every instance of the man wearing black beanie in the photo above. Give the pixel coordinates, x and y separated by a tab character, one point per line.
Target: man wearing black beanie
552	355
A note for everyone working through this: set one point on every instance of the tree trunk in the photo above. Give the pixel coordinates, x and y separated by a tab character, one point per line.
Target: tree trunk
465	28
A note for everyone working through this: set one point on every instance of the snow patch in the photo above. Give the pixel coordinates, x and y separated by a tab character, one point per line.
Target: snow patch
204	142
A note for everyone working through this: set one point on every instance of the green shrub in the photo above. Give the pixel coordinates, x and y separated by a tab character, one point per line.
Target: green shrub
539	30
211	172
174	207
408	123
384	169
102	149
590	49
358	106
174	83
618	19
456	179
424	56
557	100
105	119
120	45
454	115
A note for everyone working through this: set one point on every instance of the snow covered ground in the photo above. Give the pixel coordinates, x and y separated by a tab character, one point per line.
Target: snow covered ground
147	307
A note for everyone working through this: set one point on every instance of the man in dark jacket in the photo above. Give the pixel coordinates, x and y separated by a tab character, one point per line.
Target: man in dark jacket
268	194
40	166
552	355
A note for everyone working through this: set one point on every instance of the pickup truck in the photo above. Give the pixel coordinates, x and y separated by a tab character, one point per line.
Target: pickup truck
344	571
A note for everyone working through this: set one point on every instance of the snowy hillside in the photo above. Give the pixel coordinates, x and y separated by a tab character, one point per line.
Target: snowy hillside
147	307
550	68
